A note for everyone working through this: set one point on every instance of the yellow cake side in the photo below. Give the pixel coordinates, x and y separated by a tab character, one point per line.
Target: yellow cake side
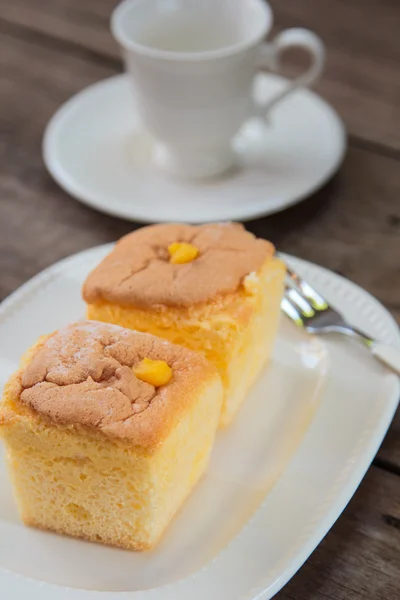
80	483
254	346
235	332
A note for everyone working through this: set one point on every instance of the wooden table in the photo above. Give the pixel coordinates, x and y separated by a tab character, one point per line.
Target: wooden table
50	49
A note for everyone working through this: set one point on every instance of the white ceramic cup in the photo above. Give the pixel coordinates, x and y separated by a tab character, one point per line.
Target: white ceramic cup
193	63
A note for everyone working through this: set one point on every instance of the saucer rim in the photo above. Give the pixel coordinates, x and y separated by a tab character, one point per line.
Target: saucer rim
83	194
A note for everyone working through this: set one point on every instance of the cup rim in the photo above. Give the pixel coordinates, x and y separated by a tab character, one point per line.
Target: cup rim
127	43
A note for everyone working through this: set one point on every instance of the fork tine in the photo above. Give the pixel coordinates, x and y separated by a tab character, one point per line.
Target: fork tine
301	303
318	302
291	311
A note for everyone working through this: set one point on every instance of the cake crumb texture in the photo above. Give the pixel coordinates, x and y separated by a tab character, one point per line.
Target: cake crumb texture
79	469
83	484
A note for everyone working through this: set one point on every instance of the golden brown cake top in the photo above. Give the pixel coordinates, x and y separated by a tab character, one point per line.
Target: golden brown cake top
139	271
84	375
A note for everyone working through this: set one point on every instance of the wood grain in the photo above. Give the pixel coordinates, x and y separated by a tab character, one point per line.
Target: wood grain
361	78
360	557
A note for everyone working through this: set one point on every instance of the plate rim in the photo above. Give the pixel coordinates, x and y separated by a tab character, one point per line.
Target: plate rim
79	193
341	493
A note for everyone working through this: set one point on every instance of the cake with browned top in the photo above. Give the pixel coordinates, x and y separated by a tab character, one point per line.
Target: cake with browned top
107	431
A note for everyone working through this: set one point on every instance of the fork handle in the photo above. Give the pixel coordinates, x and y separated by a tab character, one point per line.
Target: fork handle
388	355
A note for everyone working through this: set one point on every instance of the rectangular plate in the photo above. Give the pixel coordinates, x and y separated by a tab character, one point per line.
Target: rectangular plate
274	487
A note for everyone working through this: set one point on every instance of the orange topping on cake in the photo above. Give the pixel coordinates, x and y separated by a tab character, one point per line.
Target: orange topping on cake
113	379
149	268
182	252
155	372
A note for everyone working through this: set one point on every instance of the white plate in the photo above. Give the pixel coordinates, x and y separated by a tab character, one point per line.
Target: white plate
96	148
274	487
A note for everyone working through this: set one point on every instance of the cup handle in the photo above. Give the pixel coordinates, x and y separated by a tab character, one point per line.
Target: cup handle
269	57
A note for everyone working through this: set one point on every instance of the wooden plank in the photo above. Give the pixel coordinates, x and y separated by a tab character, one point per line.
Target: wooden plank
84	24
360	557
361	78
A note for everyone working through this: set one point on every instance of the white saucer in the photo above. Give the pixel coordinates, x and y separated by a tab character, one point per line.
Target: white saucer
96	148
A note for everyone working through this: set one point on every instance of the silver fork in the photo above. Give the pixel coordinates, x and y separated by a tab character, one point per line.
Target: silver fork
309	309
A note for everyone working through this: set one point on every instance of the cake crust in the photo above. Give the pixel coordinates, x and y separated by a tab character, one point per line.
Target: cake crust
138	271
83	376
